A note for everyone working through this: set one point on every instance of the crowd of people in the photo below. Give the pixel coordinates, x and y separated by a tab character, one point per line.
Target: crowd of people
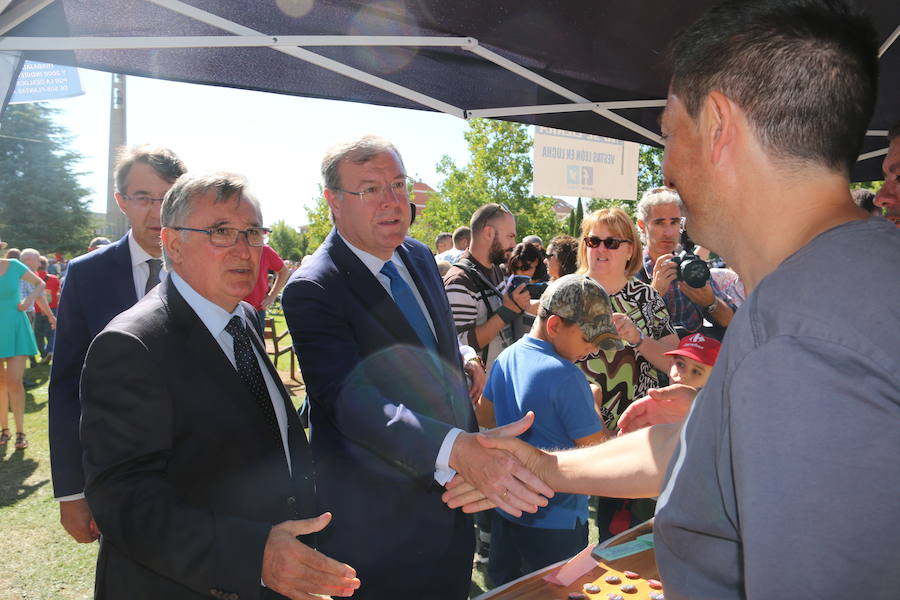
495	375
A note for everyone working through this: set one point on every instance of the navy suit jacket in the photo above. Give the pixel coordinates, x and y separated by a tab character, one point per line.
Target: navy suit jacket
381	406
97	287
185	476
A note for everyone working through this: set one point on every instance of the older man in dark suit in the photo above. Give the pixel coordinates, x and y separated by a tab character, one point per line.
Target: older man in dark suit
390	417
197	468
98	286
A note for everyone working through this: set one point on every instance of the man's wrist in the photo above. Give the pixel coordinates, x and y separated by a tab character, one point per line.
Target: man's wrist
712	307
506	313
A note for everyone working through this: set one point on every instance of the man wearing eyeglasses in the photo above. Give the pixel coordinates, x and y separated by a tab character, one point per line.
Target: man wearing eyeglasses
98	286
390	418
660	218
196	465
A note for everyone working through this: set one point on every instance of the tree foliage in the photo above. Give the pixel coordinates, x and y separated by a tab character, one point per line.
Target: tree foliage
499	170
319	216
289	243
42	205
649	168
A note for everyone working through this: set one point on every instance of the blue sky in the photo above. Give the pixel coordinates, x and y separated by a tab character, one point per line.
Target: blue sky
276	141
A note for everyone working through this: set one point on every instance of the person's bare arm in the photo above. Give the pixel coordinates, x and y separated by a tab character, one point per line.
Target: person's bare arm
631	466
280	280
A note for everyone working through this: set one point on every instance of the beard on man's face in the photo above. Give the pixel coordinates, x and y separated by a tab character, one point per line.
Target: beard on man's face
498	254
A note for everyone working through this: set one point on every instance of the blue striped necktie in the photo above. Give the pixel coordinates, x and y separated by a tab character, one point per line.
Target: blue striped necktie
409	306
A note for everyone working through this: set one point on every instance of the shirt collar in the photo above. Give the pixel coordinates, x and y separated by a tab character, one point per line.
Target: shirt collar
372	262
138	254
213	316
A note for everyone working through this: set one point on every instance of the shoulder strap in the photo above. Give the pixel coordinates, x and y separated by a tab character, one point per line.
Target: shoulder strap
484	287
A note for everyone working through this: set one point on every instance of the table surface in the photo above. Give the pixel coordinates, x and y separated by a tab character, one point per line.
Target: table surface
533	586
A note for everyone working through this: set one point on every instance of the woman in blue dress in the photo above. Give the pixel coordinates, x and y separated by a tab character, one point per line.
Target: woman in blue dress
16	343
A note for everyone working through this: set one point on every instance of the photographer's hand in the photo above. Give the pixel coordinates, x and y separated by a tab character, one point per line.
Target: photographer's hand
664	273
702	297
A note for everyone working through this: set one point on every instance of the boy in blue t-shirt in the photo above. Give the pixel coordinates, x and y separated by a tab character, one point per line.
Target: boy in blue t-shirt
538	373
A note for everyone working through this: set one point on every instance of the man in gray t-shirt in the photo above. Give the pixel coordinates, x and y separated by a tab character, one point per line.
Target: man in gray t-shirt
785	482
782	482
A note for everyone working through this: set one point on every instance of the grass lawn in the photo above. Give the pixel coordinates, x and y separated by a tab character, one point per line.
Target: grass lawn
39	561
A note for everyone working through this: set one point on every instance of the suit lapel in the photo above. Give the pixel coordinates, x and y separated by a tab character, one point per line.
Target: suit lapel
123	285
371	293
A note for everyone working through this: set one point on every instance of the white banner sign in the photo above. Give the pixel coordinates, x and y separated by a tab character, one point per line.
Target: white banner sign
567	163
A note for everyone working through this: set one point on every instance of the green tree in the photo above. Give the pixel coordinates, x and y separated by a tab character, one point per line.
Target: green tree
289	243
649	168
319	216
499	170
42	205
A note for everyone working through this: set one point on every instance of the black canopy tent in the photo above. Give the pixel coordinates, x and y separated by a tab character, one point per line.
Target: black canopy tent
596	68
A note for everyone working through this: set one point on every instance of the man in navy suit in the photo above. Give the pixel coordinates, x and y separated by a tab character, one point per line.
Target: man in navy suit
390	417
98	286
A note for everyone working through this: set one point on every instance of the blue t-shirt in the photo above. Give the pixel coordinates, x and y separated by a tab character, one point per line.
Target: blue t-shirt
530	375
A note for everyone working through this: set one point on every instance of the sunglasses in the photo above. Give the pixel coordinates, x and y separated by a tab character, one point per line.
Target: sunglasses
592	241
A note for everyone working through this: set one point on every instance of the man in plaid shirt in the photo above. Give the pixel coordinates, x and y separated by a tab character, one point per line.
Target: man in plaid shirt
660	219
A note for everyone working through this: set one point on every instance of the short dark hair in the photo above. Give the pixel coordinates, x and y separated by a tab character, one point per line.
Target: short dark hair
162	160
565	249
865	199
444	235
461	233
894	131
359	151
804	71
525	253
485	214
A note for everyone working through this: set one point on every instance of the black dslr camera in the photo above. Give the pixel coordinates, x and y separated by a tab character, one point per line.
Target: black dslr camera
534	289
691	269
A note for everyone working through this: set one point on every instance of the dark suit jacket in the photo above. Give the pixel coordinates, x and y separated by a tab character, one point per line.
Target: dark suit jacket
184	476
97	287
380	409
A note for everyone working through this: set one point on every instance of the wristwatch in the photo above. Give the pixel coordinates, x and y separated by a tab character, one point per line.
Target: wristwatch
474	359
642	338
712	307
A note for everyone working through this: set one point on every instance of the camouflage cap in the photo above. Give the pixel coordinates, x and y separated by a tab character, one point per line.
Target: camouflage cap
580	299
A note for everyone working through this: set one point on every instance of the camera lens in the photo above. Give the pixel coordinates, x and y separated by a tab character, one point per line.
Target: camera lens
694	272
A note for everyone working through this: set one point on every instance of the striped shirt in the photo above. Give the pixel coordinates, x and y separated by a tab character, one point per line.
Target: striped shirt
469	309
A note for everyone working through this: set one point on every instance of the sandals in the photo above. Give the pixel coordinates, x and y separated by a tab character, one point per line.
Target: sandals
4	436
21	441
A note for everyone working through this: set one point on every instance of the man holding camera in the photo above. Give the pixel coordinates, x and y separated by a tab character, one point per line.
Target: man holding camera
481	311
660	217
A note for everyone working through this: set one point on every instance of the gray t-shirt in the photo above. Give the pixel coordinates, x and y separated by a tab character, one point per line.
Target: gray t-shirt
786	483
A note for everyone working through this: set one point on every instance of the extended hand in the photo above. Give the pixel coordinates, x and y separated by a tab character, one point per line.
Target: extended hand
663	405
297	571
76	518
498	476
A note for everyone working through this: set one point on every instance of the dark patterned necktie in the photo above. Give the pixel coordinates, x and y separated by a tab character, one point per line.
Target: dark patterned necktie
155	265
248	368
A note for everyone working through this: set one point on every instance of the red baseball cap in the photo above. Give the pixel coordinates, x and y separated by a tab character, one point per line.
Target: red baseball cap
699	347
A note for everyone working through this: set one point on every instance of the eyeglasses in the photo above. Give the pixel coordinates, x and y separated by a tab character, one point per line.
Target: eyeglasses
142	199
223	237
400	189
592	241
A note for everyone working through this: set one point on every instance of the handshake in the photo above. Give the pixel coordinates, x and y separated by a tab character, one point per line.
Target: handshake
497	470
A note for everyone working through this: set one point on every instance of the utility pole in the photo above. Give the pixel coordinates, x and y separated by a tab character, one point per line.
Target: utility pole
116	222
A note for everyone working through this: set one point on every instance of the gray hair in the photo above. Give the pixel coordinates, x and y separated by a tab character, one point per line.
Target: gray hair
533	239
30	253
658	196
359	151
178	203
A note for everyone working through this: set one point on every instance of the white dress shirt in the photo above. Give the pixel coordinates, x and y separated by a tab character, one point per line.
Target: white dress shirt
140	270
215	318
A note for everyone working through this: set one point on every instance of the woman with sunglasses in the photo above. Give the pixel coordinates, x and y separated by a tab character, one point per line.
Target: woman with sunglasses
610	252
